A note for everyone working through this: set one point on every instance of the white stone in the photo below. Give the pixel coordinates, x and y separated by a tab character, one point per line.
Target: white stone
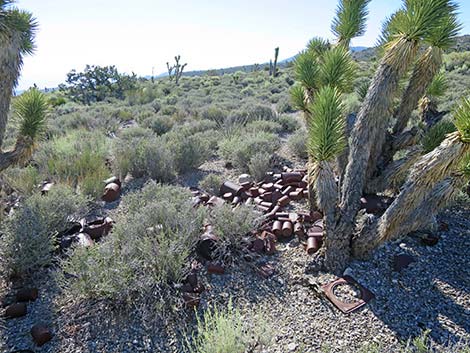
292	347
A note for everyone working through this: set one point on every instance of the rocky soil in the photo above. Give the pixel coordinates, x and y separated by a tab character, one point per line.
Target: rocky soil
432	293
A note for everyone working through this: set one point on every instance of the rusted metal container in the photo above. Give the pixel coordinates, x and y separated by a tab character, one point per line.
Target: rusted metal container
231	187
236	200
299	230
283	201
254	191
278	185
27	294
267	196
207	244
16	310
111	192
276	195
315	216
215	201
305	194
287	229
98	228
288	190
268	186
277	228
257	245
291	177
268	205
41	334
84	240
269	243
313	245
215	269
246	185
228	196
295	195
46	187
114	180
249	201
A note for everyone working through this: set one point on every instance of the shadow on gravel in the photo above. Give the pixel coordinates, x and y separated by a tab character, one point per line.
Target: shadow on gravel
434	292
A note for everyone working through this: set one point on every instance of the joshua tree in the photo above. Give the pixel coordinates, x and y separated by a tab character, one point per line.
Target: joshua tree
17	31
176	71
273	66
325	71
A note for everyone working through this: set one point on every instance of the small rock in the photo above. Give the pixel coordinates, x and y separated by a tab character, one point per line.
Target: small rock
292	347
348	272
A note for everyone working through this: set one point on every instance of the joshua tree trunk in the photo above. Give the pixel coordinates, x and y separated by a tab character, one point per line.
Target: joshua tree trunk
432	169
10	65
14	156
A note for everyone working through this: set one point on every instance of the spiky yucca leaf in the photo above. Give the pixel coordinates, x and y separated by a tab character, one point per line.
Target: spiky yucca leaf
350	20
306	70
464	167
338	69
444	34
30	111
23	23
436	135
326	125
362	90
390	27
318	45
462	120
438	86
298	97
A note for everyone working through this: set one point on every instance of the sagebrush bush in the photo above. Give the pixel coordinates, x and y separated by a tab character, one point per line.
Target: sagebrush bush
228	331
284	105
240	149
259	165
297	143
24	180
77	159
231	224
288	122
29	236
146	254
263	125
143	156
211	183
158	124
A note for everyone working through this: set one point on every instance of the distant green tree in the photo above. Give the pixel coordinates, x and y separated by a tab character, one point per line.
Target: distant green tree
96	83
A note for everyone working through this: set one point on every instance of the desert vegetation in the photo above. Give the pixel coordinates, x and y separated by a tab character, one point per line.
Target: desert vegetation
193	264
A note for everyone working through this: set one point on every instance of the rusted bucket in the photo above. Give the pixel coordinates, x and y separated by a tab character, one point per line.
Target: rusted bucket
287	229
206	245
27	294
313	245
111	192
114	180
41	334
98	228
233	188
16	310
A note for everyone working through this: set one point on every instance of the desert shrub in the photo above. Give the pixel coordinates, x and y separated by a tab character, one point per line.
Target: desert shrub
146	255
25	180
284	105
189	151
29	236
168	110
143	155
228	331
288	122
158	124
263	125
259	164
214	114
77	159
259	112
231	224
239	149
297	143
436	135
211	183
248	91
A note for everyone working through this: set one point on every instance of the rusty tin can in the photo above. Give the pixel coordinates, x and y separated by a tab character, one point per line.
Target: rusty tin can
41	334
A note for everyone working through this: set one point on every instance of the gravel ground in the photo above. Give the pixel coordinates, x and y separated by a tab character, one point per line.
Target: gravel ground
432	293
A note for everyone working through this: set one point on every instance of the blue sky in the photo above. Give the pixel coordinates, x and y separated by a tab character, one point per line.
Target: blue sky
141	34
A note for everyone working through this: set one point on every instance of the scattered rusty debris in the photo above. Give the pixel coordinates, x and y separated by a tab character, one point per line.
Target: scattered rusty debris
215	269
375	204
266	270
16	310
27	294
41	334
98	227
430	239
112	189
350	306
402	261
